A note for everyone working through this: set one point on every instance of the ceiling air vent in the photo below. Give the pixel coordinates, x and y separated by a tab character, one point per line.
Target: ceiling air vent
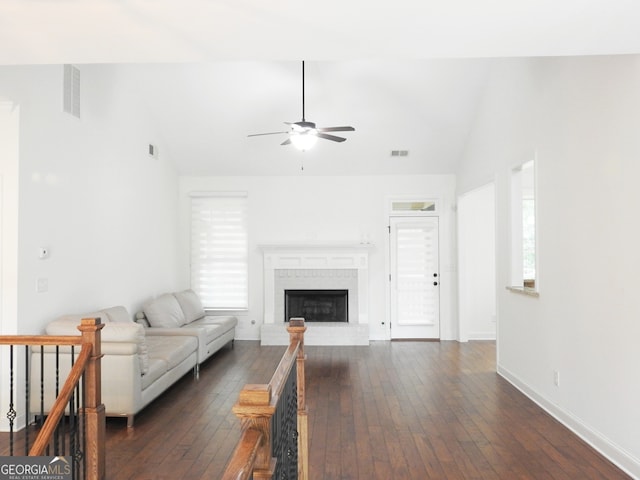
71	93
399	153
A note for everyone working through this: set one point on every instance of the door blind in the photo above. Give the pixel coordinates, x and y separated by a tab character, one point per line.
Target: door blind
219	250
416	262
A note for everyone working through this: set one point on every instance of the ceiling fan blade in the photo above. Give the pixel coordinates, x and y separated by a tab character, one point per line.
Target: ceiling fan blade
336	129
286	142
333	138
260	134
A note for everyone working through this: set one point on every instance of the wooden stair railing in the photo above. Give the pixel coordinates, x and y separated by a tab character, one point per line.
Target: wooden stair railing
258	403
88	365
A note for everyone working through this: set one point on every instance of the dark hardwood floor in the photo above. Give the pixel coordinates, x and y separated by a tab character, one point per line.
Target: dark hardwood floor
393	410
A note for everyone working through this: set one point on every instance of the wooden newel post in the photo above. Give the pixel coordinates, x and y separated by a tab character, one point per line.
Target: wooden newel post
254	410
94	409
296	331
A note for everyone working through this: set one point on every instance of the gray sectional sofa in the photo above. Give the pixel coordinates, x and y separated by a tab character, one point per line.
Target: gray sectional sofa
181	314
141	358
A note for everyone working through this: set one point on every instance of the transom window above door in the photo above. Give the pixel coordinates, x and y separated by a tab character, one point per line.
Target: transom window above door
413	206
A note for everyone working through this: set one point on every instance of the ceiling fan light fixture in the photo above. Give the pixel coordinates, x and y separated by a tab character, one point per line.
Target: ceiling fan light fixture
304	140
303	134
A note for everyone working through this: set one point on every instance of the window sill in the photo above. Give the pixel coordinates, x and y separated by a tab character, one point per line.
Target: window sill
223	311
530	292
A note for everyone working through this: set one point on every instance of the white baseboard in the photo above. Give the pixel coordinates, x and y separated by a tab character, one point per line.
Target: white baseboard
18	424
617	455
482	335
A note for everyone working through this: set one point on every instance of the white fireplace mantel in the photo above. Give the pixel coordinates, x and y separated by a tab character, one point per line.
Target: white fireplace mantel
310	247
316	256
317	260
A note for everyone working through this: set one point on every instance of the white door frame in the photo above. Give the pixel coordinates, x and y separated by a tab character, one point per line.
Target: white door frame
477	315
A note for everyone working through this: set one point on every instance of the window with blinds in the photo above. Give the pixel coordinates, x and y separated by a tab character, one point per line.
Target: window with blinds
219	250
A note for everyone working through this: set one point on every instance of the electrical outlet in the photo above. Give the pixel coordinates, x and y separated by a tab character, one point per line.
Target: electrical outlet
556	378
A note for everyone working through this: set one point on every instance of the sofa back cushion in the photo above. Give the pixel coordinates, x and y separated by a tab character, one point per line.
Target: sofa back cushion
164	312
117	314
190	305
68	324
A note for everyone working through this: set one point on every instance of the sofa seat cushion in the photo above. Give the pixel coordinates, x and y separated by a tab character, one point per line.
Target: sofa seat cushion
213	327
226	322
172	350
206	332
157	368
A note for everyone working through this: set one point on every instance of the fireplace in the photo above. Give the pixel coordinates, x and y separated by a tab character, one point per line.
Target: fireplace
317	305
321	270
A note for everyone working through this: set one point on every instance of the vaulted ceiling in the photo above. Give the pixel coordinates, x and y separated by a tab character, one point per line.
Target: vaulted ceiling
407	75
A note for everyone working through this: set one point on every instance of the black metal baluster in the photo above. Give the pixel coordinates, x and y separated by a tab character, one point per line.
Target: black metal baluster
284	430
82	441
292	424
11	414
72	430
26	395
41	417
56	435
75	424
69	427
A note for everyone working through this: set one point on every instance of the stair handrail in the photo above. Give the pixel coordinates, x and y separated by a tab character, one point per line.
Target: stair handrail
255	407
87	364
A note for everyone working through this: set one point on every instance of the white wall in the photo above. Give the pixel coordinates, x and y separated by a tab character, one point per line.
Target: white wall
87	191
90	193
9	130
581	117
328	209
9	140
477	264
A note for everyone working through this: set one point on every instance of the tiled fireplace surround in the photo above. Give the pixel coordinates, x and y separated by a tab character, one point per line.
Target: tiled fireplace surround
316	267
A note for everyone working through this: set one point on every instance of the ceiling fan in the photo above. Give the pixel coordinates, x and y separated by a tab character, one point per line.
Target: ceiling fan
304	134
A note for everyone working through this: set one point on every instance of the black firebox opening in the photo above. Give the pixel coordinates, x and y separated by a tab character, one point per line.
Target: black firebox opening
317	305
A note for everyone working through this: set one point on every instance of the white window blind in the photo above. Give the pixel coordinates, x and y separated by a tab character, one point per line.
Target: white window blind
219	250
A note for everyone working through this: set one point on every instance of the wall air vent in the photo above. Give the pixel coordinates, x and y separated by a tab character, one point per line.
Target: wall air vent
399	153
71	93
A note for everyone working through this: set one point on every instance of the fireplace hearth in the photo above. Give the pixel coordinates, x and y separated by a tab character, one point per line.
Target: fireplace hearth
317	305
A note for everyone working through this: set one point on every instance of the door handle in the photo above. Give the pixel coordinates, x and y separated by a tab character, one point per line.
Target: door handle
435	283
